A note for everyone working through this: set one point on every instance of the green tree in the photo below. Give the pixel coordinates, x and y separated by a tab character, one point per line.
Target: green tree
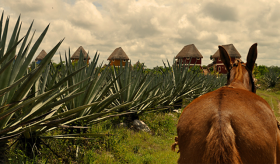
259	71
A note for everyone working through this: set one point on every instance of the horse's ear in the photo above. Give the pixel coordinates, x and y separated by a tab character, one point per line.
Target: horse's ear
225	57
252	56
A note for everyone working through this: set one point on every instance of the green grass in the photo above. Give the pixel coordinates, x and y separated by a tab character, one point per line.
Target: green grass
128	146
124	145
131	147
273	99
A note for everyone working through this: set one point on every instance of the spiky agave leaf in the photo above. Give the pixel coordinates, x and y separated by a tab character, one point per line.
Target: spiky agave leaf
96	88
138	83
21	106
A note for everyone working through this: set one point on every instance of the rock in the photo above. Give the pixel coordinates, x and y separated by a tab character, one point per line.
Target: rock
140	125
178	110
269	89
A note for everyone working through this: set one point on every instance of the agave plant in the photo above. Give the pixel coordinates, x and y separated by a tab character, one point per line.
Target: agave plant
94	86
174	83
26	105
15	82
184	82
139	92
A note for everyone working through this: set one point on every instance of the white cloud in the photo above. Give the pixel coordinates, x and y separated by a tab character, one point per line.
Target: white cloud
162	56
85	14
152	30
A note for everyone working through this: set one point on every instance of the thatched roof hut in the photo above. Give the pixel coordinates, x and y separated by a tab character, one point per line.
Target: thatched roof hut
41	55
189	51
76	55
231	50
118	54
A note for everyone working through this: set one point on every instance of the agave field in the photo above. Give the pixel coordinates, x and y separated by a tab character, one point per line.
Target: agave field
35	99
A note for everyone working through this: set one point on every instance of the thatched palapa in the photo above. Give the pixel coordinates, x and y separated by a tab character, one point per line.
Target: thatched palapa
231	50
76	55
118	54
41	55
189	51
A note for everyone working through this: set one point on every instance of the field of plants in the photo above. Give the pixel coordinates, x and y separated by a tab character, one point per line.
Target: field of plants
36	100
67	112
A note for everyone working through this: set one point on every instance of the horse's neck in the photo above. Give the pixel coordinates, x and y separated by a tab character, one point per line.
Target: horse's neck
237	84
239	79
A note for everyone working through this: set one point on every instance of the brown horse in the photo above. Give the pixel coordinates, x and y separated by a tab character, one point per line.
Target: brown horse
231	124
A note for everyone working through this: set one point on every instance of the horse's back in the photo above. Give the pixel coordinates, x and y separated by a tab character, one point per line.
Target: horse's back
243	115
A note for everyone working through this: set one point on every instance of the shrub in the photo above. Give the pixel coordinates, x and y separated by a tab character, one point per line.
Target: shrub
271	77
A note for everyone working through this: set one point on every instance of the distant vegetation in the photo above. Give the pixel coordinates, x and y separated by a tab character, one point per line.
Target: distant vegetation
268	77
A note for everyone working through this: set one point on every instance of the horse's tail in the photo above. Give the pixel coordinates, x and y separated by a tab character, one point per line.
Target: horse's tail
220	144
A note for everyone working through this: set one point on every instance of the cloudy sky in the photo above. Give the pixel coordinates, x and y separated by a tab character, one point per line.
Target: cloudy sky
152	30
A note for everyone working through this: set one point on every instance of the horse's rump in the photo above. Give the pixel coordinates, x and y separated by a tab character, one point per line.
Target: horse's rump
213	130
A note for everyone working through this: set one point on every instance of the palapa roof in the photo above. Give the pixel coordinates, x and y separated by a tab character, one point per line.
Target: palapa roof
118	54
231	50
189	51
76	55
41	55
